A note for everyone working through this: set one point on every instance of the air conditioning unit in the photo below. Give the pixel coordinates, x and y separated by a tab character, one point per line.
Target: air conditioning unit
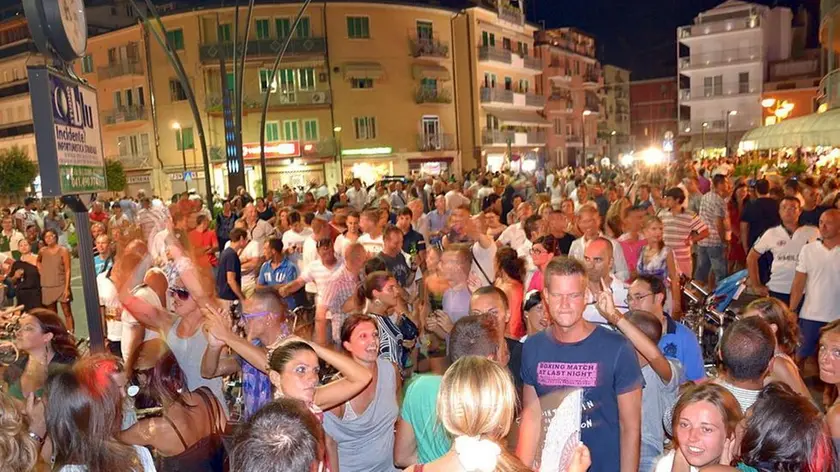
319	97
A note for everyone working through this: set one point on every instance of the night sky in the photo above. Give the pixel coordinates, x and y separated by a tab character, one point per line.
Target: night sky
639	34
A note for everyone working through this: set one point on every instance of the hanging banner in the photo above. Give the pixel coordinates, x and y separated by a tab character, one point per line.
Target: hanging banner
68	138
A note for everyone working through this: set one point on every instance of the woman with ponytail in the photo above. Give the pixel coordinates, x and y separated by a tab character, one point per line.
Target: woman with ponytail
475	405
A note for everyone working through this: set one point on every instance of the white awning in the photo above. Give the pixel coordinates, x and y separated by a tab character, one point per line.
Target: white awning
818	129
362	70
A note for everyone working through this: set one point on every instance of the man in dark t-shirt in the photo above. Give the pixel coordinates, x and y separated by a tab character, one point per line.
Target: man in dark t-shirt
391	255
577	373
229	271
760	215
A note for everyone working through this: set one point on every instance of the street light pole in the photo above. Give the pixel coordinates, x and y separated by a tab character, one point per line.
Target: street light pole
583	133
177	126
726	136
703	142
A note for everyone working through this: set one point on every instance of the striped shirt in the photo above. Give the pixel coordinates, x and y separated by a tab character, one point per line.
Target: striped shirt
712	208
342	285
676	231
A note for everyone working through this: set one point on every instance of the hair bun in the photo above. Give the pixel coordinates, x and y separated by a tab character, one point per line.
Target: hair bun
476	454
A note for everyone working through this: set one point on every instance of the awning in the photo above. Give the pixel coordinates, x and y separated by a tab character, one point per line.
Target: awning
431	71
818	129
519	118
362	70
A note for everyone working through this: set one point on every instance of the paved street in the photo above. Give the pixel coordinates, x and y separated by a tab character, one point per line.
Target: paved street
78	300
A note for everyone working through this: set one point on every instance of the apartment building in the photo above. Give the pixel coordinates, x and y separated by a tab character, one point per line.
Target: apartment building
722	60
653	111
572	80
614	127
792	87
498	103
376	100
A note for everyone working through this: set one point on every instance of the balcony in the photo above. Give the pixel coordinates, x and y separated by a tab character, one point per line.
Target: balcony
510	13
717	27
496	137
558	72
262	48
573	139
716	58
830	89
533	100
496	95
120	68
560	103
591	79
432	95
435	142
120	115
134	161
278	99
736	123
428	47
505	57
728	89
12	89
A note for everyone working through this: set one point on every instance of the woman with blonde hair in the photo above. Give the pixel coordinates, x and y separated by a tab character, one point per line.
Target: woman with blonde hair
475	405
18	447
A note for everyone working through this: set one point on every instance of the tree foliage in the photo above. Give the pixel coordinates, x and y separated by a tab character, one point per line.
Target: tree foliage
115	175
18	171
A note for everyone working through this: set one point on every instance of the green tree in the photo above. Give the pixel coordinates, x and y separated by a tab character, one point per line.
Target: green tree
18	171
115	175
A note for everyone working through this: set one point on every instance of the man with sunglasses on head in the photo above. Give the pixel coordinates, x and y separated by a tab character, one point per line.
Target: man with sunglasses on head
265	324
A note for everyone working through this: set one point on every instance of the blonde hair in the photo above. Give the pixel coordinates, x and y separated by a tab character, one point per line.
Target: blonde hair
18	452
477	399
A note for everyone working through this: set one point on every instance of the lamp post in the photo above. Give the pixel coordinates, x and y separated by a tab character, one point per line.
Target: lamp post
583	133
337	133
726	136
703	142
177	126
612	140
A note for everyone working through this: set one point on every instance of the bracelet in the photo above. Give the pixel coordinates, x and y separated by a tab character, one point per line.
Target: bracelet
37	438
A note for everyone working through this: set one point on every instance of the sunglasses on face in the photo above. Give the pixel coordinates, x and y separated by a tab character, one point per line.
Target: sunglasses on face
181	293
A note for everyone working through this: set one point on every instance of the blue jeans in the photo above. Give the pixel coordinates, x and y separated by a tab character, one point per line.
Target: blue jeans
710	258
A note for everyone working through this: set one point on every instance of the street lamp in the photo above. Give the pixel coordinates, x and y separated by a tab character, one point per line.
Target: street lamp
726	136
703	141
583	133
177	126
337	134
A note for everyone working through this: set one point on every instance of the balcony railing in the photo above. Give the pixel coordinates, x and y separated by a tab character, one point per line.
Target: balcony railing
591	78
830	89
534	63
134	161
435	142
279	98
737	122
120	68
428	47
432	95
726	56
124	115
724	26
722	90
489	53
265	48
537	137
573	138
498	95
496	136
533	100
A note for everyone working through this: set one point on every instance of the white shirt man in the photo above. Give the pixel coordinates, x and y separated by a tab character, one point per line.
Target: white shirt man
357	198
455	199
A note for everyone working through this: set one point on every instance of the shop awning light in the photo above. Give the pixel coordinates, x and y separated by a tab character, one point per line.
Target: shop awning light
366	151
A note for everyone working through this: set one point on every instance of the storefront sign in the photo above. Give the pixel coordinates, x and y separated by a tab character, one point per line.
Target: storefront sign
366	151
273	150
191	175
67	134
138	179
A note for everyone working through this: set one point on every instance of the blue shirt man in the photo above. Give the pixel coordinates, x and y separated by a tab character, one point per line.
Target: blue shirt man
279	270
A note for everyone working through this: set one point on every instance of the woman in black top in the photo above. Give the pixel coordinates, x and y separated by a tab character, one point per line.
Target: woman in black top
24	278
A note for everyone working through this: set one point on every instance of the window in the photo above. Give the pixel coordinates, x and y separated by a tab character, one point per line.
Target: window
229	80
558	127
358	27
133	145
272	131
569	129
87	64
424	31
506	44
118	103
492	122
361	83
744	82
508	83
489	80
129	12
223	33
284	27
524	86
184	136
144	144
129	98
176	91
713	86
524	49
263	29
141	99
429	84
122	145
290	130
365	127
310	130
265	78
488	39
306	79
286	79
303	30
175	38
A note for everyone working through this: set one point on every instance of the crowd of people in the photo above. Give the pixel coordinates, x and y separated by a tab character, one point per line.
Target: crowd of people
492	321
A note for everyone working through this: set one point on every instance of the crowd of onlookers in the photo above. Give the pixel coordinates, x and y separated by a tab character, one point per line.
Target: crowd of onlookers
484	322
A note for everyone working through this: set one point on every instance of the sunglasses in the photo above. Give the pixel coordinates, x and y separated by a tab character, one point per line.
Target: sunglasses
181	293
259	314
